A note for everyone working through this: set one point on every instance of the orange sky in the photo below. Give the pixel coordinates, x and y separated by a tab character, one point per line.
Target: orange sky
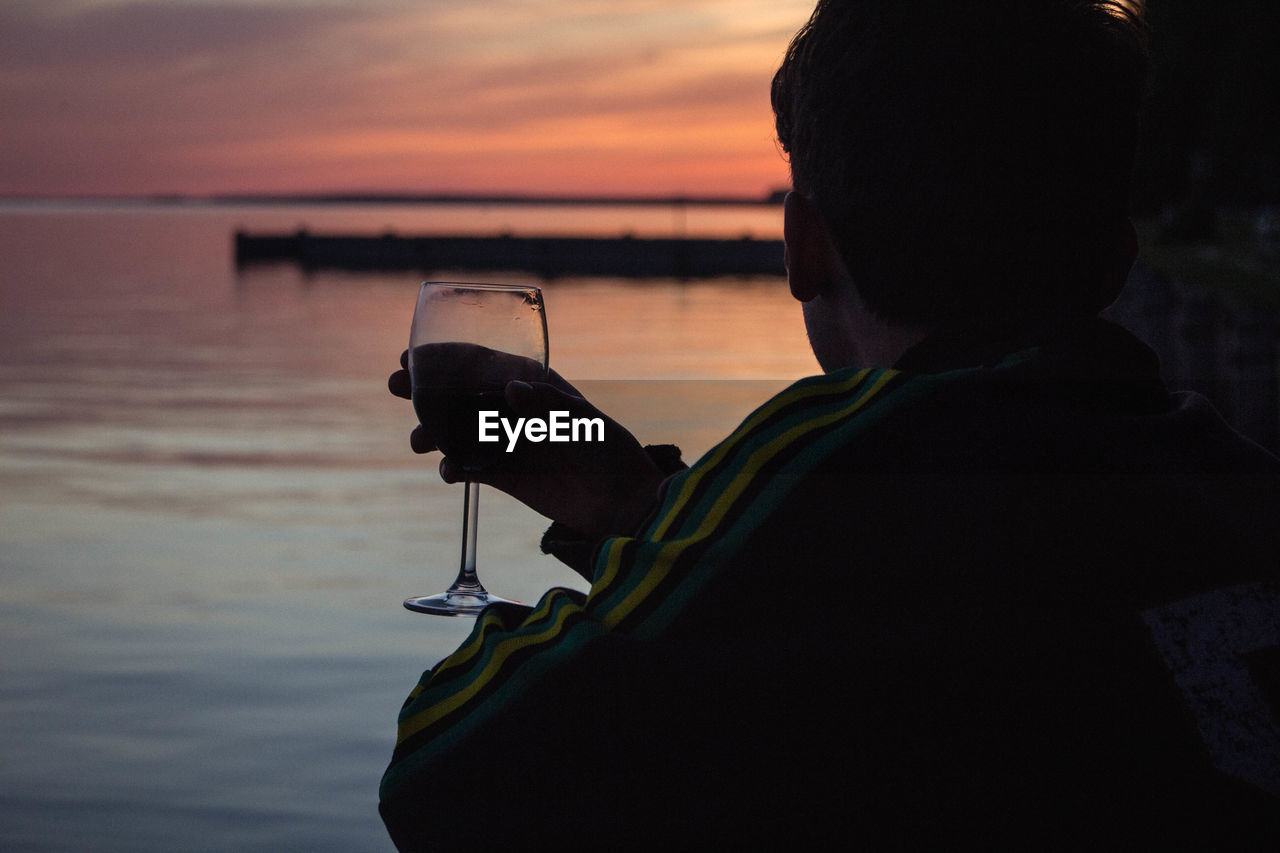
195	96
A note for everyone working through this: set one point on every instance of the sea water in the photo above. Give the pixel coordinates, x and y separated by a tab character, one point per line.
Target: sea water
209	511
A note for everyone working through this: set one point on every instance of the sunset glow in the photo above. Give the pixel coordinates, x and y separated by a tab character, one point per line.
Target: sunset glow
535	96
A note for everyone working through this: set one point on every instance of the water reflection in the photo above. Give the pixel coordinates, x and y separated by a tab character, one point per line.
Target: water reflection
210	515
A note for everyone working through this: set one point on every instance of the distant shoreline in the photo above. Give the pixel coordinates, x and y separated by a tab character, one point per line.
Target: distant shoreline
267	199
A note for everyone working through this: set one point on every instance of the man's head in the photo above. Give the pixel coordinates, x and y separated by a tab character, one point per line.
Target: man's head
970	161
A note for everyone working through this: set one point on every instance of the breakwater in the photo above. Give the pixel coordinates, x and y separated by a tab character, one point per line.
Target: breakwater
627	256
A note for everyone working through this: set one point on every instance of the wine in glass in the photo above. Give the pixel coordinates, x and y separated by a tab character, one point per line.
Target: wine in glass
467	342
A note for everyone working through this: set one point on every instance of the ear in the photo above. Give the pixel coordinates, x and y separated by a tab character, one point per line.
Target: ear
811	259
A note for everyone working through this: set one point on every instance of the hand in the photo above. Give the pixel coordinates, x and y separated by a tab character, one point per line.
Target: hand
479	365
398	384
598	488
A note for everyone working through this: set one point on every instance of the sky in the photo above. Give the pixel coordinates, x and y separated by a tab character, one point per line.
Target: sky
199	97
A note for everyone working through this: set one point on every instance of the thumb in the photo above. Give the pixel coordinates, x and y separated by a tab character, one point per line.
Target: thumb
490	475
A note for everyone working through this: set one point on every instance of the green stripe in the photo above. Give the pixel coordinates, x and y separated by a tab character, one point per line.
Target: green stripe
565	646
753	516
720	458
438	702
659	565
838	396
475	683
687	494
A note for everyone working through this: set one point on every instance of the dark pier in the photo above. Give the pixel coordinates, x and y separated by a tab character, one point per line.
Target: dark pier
550	257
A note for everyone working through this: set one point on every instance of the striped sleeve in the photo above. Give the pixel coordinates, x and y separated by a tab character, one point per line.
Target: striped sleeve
640	582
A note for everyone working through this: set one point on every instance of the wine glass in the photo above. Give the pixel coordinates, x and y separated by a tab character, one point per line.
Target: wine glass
467	342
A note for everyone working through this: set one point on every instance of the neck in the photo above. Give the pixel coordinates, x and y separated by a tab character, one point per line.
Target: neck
854	335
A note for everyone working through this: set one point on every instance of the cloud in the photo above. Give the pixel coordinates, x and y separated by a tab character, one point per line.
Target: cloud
226	94
44	35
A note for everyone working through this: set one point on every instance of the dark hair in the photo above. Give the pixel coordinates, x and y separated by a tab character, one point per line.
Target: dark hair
970	159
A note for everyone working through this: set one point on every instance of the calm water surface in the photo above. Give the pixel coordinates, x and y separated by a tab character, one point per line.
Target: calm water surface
209	513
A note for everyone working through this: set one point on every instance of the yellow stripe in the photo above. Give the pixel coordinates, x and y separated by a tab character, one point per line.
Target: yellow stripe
695	477
465	654
501	652
658	570
662	564
612	565
762	455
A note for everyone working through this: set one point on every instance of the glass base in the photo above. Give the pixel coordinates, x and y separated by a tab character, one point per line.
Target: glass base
462	602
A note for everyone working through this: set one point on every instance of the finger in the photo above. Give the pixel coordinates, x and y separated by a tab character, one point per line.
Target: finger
398	384
404	359
494	474
420	442
452	472
532	398
521	396
556	380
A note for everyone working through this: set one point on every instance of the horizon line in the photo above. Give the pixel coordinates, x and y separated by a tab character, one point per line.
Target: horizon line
772	197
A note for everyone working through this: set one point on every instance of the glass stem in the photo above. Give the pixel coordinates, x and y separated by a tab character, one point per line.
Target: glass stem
467	579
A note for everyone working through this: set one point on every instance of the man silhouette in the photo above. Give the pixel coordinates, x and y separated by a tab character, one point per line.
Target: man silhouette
985	579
